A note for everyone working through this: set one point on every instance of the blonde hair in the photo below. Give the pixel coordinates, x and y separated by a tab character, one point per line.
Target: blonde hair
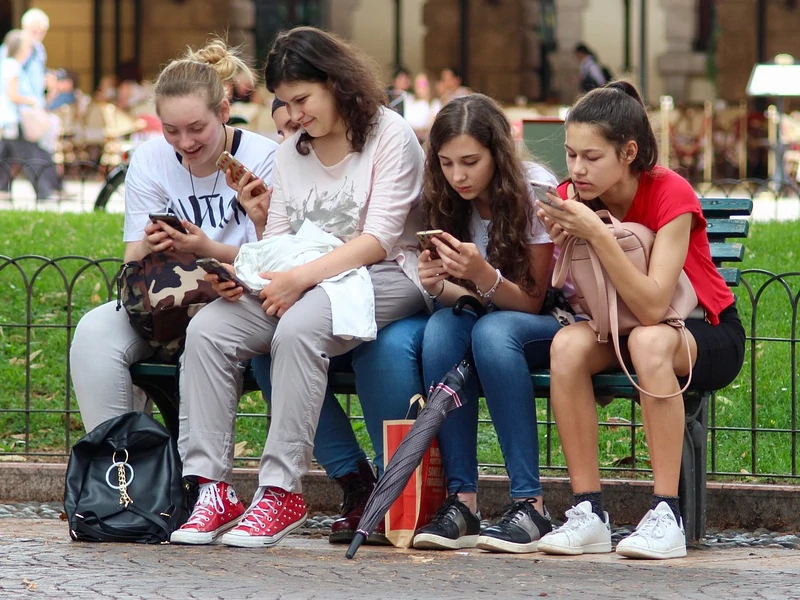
204	71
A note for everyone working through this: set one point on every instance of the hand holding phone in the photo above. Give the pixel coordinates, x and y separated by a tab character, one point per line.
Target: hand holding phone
540	191
425	237
170	219
227	162
214	267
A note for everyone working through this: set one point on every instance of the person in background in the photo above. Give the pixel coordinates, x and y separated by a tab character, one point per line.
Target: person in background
421	108
61	85
450	85
592	74
399	90
284	125
496	250
612	157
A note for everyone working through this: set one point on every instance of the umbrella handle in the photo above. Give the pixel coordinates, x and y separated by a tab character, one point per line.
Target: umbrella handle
469	301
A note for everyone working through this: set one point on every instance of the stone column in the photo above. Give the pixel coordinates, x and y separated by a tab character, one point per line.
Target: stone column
340	16
680	63
569	31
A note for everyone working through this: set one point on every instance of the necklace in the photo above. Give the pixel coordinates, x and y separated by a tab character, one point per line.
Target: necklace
486	224
214	187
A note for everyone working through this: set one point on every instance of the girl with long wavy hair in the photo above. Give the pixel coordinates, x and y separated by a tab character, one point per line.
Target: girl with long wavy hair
493	247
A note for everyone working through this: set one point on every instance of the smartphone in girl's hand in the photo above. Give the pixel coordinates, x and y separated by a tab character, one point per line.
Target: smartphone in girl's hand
424	238
227	161
540	191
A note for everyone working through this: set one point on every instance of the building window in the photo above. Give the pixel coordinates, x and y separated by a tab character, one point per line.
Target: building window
274	16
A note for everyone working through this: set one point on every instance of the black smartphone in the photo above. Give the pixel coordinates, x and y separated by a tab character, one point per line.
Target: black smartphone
213	266
170	219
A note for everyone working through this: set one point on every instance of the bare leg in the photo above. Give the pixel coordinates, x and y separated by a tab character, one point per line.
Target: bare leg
575	356
657	353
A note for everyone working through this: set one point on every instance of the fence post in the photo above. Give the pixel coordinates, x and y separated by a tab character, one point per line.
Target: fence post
666	113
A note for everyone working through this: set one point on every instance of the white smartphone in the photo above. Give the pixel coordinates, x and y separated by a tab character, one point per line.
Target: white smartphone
540	191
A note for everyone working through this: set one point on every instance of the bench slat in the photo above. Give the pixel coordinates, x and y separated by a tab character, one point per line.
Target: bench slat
715	208
727	252
719	229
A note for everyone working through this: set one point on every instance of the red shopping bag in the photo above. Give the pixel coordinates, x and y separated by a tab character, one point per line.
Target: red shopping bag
424	493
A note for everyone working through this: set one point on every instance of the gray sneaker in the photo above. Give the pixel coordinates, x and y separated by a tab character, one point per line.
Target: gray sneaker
518	531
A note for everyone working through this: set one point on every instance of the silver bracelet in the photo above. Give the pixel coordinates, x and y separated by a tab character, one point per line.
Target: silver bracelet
491	292
434	296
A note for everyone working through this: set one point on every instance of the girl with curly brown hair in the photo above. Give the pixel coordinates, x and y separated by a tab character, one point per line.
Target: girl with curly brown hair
494	248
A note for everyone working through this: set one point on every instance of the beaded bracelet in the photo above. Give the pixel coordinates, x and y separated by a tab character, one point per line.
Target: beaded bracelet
435	296
491	292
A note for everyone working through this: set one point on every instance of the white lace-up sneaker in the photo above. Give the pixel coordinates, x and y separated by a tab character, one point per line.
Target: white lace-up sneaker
217	509
583	533
658	535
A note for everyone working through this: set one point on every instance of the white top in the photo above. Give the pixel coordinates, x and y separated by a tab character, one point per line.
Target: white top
9	115
537	234
375	191
351	293
158	182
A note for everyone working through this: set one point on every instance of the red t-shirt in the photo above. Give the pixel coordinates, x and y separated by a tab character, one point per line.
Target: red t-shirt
662	196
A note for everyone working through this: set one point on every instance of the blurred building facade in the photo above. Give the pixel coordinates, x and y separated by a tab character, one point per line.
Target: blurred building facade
694	50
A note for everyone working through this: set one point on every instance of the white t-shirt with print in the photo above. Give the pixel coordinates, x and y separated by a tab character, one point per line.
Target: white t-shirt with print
479	228
157	182
375	191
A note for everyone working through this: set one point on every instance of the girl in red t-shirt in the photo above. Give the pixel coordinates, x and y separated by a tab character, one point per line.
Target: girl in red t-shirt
611	156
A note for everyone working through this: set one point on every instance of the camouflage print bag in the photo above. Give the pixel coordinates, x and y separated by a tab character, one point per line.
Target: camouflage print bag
161	293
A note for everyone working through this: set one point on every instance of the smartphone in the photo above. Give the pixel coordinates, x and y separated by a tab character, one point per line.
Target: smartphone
540	191
170	219
227	161
213	266
425	237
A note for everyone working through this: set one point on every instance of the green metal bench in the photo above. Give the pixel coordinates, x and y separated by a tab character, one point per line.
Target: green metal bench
160	381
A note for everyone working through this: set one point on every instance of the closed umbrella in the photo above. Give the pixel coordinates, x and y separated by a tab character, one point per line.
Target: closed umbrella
442	399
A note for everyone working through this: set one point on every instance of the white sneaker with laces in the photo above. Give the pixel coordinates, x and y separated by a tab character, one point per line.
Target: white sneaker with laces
583	533
658	536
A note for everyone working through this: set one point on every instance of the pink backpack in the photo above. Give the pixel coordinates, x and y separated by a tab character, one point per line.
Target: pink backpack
597	296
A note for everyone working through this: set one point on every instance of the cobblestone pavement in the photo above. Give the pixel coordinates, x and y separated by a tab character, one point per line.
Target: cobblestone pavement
37	560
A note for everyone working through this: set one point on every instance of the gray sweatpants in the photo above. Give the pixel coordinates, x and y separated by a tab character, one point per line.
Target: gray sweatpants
104	347
301	343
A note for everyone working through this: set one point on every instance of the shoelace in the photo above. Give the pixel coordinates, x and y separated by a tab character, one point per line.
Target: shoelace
208	500
261	510
449	503
513	513
575	519
654	526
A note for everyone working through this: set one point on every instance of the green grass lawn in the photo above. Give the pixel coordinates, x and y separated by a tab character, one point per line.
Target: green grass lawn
34	418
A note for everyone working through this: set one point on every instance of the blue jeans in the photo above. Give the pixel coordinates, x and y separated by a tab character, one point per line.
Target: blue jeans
505	346
387	375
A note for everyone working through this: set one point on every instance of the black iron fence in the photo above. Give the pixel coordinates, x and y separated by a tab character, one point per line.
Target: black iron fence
753	429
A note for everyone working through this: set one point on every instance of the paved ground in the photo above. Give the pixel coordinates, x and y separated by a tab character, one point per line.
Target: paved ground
37	559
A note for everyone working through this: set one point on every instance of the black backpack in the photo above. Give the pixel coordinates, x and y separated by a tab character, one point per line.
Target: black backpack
124	483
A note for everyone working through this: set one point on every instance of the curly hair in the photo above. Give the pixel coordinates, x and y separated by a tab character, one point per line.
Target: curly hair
481	118
310	54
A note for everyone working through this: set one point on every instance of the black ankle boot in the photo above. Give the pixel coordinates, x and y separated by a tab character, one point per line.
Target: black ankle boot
356	487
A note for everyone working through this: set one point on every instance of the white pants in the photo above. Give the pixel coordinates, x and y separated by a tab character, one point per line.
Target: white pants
301	343
104	347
